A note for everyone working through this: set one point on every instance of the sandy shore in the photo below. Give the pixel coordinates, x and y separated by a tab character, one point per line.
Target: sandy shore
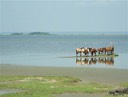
87	75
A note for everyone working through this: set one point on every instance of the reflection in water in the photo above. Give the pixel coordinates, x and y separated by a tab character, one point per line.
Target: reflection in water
89	61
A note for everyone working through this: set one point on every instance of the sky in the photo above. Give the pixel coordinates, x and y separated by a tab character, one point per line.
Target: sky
64	16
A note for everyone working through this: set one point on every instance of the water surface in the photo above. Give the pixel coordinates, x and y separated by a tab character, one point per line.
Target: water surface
46	50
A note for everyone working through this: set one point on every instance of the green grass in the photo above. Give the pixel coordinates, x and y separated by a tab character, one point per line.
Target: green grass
49	86
124	84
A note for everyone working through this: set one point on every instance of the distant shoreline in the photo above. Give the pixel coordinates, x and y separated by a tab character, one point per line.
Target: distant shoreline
67	35
60	34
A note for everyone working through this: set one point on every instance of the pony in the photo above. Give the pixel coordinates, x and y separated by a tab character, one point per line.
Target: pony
109	50
79	50
93	51
101	50
82	50
86	51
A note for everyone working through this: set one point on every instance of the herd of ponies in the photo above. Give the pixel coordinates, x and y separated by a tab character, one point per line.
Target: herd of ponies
93	51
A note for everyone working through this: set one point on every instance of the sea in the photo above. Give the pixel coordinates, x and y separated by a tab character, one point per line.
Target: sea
58	50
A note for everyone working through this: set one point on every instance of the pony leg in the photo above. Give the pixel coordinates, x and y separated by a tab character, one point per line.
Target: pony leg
92	53
76	53
112	52
85	54
80	54
105	52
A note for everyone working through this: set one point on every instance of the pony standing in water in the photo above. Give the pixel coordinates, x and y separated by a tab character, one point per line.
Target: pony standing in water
101	50
82	51
79	50
93	51
86	51
109	50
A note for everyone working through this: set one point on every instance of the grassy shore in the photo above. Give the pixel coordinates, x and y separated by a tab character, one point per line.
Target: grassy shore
50	86
47	86
56	81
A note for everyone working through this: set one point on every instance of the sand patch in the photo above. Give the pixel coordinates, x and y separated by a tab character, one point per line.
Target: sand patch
42	79
50	81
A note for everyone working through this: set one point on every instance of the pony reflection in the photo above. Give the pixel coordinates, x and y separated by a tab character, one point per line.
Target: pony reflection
93	61
100	60
109	60
106	60
82	61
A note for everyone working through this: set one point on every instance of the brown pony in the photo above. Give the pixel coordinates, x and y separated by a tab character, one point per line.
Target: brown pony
100	50
86	51
109	50
93	51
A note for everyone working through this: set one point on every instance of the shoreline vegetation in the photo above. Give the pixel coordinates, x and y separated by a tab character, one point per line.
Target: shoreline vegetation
40	81
28	34
49	34
53	86
32	33
97	56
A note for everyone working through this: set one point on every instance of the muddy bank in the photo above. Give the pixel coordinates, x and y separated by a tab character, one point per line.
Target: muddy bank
88	75
82	95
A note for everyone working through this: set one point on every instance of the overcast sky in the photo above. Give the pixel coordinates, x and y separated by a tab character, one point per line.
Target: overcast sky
63	16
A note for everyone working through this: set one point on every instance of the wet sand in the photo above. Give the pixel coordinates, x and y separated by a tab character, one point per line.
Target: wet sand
87	75
82	95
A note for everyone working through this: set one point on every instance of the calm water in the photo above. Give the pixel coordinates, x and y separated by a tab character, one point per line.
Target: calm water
47	50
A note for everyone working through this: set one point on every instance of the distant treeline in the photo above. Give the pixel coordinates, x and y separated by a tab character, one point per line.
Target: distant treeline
32	33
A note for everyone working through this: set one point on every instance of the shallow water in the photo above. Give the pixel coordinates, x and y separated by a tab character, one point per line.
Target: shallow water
46	50
8	91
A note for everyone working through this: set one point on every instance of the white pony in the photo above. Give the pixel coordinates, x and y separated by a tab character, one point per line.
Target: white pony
82	50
